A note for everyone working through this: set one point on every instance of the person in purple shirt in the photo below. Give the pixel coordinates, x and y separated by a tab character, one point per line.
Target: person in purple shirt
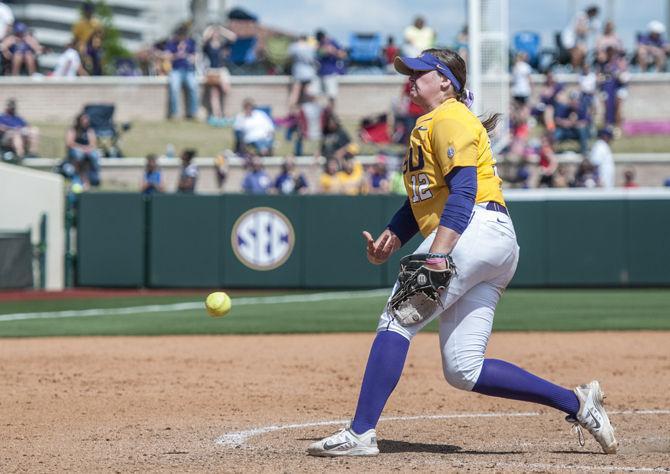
331	58
256	181
181	49
21	49
652	47
15	134
290	180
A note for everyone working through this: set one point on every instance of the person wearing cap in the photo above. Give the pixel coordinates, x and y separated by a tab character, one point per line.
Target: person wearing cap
21	49
602	159
16	134
455	200
652	47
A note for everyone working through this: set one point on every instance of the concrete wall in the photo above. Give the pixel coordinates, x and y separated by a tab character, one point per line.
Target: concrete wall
126	174
145	98
25	195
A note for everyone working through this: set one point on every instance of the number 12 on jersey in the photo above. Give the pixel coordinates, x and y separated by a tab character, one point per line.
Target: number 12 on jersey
420	187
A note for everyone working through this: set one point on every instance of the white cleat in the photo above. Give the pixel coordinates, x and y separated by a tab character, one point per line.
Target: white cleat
593	417
346	443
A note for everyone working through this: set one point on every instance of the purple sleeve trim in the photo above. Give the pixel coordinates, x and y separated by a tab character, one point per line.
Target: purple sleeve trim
403	223
462	184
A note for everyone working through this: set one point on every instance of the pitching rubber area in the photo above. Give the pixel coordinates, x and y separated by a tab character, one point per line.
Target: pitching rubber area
254	403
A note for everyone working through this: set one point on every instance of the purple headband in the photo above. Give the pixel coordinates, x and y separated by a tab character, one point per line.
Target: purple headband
426	62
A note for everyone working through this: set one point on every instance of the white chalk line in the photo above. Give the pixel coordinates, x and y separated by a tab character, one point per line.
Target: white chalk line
164	308
525	467
238	438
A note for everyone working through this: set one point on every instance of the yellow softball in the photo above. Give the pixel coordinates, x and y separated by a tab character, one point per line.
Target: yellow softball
218	304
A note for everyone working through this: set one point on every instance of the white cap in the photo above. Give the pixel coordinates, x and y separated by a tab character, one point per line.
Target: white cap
656	26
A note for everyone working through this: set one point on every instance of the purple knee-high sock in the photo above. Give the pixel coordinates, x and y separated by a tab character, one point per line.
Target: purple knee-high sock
385	363
502	379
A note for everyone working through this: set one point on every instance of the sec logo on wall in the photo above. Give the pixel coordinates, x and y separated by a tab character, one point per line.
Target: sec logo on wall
262	238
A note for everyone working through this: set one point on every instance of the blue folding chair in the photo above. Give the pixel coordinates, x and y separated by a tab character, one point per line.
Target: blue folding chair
365	49
528	42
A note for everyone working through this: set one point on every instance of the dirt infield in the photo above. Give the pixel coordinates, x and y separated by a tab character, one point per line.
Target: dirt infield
158	404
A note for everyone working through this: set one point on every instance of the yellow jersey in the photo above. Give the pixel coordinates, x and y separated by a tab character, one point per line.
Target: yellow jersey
446	137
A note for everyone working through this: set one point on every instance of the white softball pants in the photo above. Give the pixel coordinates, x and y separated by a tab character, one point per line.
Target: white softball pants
486	257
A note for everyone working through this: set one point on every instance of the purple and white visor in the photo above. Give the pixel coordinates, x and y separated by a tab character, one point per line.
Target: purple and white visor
426	62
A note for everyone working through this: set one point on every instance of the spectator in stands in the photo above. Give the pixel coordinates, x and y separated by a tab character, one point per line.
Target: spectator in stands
377	177
588	83
544	110
221	169
15	133
254	129
330	56
609	39
20	49
601	158
585	176
188	177
629	179
6	20
652	47
335	139
216	45
69	63
180	50
572	122
256	181
152	181
390	52
290	180
521	84
82	150
418	37
548	163
92	57
303	68
328	181
579	36
614	79
84	28
351	177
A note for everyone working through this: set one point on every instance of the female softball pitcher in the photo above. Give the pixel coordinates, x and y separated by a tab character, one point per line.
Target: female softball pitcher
458	273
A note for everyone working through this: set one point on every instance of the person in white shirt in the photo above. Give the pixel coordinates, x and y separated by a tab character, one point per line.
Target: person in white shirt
521	85
303	67
579	36
601	157
6	19
69	63
418	37
254	128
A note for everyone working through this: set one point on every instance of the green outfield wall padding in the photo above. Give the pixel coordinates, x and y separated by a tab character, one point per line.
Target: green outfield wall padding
334	246
531	233
585	242
240	241
255	238
111	240
185	241
648	242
